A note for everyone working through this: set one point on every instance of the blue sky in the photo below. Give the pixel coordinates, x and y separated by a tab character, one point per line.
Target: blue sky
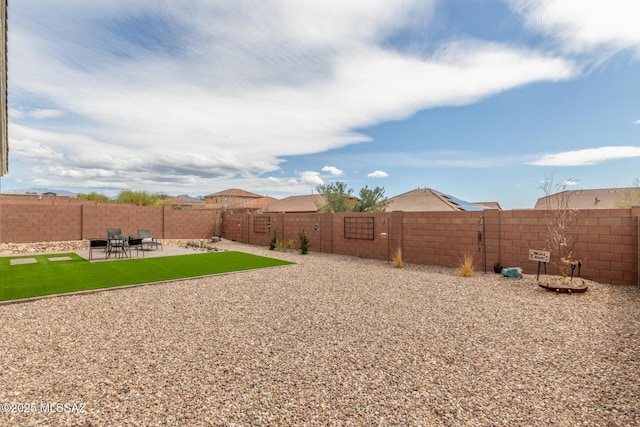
481	99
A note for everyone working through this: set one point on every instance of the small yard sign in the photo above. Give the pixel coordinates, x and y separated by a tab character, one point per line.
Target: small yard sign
539	256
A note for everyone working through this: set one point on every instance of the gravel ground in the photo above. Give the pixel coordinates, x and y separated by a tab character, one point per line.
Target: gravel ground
331	340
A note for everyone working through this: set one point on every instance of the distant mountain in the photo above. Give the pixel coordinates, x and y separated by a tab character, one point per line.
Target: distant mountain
39	191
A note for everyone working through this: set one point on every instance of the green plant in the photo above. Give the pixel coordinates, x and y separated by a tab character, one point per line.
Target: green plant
372	200
273	242
466	266
397	260
339	198
143	198
304	241
94	196
285	245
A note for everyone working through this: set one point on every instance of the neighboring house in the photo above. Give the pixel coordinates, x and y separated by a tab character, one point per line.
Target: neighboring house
310	203
430	200
185	201
253	205
489	205
605	198
229	198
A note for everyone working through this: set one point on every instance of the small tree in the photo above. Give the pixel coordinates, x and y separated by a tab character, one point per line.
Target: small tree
337	196
372	200
561	230
94	196
143	198
304	241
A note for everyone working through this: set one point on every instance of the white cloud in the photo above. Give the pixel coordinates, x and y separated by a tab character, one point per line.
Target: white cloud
29	150
222	89
333	170
37	113
637	122
609	26
14	113
311	178
45	113
589	156
377	174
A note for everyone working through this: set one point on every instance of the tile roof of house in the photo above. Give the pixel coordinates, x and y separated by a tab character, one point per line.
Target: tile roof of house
429	200
255	204
234	192
604	198
307	203
489	205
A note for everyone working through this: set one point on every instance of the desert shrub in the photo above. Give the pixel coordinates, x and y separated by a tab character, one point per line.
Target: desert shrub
304	241
465	266
397	260
285	245
274	241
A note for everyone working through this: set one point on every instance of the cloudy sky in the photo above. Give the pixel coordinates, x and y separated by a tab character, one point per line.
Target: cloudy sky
481	99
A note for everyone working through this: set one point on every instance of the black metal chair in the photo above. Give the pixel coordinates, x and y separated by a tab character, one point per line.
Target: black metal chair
95	244
135	243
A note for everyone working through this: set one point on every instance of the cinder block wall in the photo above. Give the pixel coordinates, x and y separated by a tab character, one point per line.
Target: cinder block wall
129	218
43	222
40	222
607	239
188	223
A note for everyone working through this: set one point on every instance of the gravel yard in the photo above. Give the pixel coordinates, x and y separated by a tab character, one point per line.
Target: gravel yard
331	340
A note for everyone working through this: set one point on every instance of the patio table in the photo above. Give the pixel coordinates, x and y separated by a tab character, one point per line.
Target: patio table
117	246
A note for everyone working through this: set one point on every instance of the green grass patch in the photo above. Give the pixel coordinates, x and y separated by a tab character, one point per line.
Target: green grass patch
47	277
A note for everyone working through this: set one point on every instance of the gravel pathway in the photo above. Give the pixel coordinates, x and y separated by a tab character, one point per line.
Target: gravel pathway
331	340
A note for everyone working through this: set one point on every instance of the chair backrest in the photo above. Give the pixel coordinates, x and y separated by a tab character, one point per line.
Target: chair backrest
113	232
98	243
144	234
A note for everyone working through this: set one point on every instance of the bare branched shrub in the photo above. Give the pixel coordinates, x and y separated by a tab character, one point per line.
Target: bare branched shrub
218	222
561	229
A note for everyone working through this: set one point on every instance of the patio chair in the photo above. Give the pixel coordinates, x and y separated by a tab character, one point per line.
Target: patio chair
137	244
97	244
148	240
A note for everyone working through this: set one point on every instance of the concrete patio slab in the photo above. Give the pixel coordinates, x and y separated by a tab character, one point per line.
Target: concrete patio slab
19	261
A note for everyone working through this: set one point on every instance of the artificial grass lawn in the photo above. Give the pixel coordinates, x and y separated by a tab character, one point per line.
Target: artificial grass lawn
46	277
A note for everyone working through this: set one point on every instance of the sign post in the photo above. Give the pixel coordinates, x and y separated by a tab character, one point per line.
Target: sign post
540	257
